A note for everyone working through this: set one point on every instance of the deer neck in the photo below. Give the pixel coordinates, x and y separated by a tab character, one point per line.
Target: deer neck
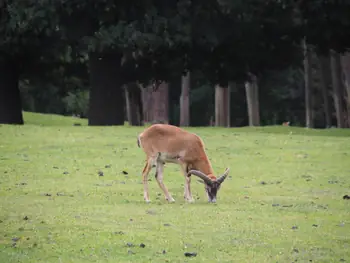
205	167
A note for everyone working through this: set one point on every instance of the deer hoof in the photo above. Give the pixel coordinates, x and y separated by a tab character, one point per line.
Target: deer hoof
170	200
190	200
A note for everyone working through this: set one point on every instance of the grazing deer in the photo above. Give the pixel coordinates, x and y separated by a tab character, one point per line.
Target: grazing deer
163	143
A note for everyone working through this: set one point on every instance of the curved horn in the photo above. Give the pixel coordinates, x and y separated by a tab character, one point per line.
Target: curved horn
222	178
200	175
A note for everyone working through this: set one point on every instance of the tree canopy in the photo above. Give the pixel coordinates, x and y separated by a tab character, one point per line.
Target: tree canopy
326	24
158	40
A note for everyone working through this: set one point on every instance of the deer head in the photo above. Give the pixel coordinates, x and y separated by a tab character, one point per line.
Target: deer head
211	186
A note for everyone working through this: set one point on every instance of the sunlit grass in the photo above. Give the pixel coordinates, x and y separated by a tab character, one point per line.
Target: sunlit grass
283	201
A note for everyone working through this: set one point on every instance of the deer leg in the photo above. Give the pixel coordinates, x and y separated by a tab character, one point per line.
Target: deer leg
187	190
145	172
159	177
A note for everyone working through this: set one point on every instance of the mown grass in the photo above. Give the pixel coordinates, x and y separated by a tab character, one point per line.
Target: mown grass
282	203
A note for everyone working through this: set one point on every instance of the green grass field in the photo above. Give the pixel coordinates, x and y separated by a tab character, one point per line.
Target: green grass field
283	201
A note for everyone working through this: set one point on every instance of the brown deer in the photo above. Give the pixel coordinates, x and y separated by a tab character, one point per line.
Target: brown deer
163	143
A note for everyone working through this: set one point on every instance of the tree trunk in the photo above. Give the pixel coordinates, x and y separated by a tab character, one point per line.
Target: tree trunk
231	86
133	104
346	72
106	95
252	94
10	99
160	104
185	100
220	106
309	113
146	93
337	88
325	81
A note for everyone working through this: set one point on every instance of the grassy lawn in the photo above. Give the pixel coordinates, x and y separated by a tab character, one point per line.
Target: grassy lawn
283	201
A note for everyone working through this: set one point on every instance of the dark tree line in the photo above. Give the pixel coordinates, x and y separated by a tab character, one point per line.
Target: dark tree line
187	62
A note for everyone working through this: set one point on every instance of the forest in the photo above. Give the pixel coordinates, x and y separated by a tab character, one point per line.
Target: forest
227	63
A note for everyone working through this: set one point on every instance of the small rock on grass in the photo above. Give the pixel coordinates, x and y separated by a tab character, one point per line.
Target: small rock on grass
295	250
151	212
346	197
162	252
333	182
142	245
190	254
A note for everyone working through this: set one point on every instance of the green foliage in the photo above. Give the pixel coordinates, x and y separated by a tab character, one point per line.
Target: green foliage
223	39
261	36
282	96
56	207
27	25
126	25
202	105
326	24
60	94
183	35
77	103
45	98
